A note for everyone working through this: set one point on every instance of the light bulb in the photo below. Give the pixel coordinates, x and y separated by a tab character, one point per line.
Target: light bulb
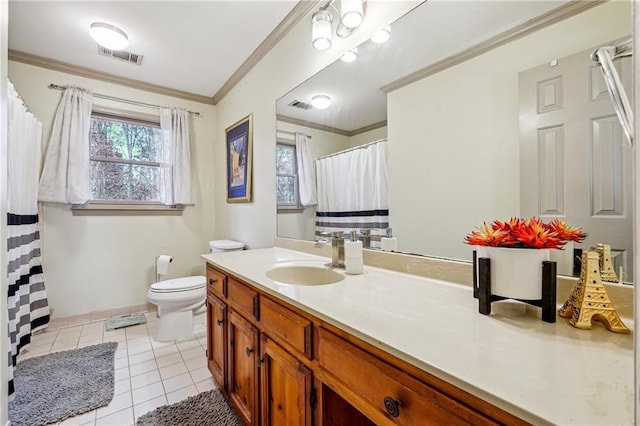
350	55
382	35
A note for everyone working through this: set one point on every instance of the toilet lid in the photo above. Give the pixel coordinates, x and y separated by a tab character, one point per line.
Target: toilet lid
179	284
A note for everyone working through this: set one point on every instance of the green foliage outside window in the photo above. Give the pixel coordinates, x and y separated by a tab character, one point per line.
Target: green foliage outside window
126	160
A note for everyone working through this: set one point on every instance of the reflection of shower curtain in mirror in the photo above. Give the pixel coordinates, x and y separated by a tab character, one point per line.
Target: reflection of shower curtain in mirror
353	189
28	309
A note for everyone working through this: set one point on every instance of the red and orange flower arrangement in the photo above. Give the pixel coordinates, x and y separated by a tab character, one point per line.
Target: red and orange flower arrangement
525	233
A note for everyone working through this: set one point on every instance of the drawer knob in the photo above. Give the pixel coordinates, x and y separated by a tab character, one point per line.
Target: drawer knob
218	321
392	406
249	351
211	281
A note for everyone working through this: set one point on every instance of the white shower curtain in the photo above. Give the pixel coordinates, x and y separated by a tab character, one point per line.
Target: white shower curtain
353	191
177	181
306	175
28	309
65	176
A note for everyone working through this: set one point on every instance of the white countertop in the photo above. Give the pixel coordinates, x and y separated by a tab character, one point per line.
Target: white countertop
543	373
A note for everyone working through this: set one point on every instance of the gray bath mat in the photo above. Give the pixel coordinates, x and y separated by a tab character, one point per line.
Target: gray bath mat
205	409
125	320
53	387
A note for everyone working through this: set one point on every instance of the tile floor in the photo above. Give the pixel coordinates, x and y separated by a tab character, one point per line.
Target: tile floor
148	374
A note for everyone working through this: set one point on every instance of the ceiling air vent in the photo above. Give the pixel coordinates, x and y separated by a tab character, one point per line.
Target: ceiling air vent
301	105
122	55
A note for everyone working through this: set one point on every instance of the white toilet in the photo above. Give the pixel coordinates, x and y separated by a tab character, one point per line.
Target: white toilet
182	301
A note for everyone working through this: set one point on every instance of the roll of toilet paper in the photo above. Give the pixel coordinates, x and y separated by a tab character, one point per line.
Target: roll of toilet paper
162	264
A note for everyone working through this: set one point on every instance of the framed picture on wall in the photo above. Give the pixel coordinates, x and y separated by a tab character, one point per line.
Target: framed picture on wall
239	146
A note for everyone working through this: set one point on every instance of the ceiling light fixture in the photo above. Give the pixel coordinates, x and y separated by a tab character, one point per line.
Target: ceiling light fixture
321	101
350	56
381	36
109	36
351	17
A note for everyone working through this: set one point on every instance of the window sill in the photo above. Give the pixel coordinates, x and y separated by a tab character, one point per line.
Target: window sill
125	209
292	209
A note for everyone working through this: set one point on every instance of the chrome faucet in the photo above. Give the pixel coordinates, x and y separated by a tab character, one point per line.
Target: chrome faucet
337	247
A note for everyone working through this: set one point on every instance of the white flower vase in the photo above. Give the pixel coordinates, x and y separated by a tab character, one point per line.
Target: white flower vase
515	272
564	259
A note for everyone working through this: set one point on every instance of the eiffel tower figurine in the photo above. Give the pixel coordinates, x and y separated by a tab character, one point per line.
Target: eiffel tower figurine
607	271
589	299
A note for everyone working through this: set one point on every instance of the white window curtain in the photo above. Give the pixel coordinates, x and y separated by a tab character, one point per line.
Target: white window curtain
65	175
177	179
306	173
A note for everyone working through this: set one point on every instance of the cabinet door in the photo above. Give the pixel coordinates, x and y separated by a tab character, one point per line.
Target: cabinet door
286	387
243	367
217	339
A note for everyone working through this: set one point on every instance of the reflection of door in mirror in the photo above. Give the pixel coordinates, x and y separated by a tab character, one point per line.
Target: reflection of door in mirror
575	162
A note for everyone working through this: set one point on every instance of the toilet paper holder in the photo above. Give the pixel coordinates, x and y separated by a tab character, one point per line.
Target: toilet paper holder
161	265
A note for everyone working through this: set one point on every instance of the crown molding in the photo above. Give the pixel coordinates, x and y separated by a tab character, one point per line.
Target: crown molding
565	11
300	10
52	64
322	127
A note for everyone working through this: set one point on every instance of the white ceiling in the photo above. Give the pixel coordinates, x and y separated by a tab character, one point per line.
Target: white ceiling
433	31
192	46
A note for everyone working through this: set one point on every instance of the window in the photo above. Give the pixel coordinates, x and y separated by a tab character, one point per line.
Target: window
287	195
126	158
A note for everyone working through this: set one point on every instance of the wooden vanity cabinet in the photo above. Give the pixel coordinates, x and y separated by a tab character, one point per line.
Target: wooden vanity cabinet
217	339
243	367
286	386
279	365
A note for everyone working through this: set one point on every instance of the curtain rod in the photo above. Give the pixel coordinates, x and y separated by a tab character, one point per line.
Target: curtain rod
363	146
123	100
291	133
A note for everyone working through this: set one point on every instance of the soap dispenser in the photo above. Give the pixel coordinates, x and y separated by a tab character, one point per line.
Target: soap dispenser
353	257
389	243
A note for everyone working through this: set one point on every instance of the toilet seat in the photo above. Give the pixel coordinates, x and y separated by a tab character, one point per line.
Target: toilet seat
179	284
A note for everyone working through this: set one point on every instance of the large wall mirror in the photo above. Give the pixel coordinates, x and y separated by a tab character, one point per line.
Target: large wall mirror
453	91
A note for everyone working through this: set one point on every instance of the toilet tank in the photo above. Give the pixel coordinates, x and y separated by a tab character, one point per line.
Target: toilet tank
218	246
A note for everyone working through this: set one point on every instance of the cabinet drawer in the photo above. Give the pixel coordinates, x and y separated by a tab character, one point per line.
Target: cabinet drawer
285	325
243	298
385	393
216	282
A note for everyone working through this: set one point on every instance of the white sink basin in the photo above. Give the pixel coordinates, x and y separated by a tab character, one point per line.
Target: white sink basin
304	275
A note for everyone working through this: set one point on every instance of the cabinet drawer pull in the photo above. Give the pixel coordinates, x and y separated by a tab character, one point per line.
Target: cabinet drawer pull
392	406
211	281
218	321
248	351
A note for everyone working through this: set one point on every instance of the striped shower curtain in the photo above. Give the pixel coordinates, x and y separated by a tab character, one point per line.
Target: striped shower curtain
28	309
353	191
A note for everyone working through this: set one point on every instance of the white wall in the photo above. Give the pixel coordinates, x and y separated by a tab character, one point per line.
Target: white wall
454	135
94	263
291	62
301	224
370	136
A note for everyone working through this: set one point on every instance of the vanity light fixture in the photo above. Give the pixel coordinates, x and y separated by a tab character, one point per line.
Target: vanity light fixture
351	16
351	13
350	55
321	101
321	29
381	36
109	36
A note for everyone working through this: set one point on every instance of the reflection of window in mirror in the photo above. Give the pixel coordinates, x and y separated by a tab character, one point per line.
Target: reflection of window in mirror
287	195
